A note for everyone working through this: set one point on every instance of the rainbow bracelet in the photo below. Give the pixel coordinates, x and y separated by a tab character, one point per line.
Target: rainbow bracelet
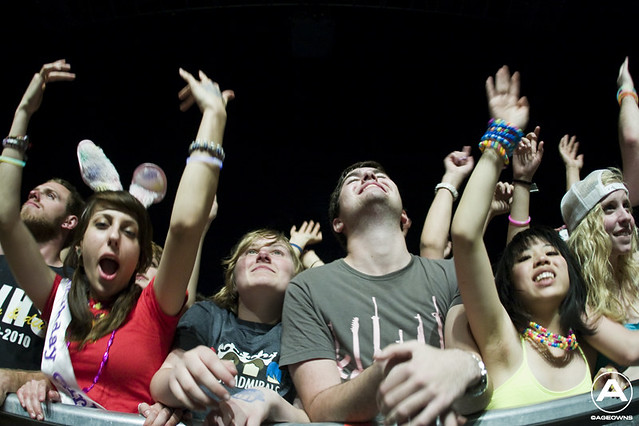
622	93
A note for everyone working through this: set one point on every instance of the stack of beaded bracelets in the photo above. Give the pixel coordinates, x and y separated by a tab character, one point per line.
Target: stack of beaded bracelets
215	150
623	92
502	137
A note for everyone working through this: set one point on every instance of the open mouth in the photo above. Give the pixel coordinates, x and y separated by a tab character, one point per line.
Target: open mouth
109	267
545	277
364	188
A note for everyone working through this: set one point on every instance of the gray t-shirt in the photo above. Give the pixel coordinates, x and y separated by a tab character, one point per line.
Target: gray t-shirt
253	347
336	312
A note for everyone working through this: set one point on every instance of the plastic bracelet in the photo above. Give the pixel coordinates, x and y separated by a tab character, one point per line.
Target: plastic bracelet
297	247
497	147
449	187
214	149
20	143
517	222
506	126
209	160
11	160
622	93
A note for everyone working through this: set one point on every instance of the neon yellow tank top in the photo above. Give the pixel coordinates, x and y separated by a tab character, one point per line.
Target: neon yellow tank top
522	388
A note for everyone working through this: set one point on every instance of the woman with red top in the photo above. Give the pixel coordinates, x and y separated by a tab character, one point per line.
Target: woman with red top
106	335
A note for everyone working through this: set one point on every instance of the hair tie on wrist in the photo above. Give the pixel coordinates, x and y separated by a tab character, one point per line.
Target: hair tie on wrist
517	222
297	247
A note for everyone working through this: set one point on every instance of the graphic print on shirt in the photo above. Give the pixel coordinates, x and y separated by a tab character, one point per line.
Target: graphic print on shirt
344	365
20	321
253	370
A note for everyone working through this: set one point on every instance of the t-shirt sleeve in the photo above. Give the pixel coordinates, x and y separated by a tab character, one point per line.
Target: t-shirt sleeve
449	271
304	334
194	327
46	313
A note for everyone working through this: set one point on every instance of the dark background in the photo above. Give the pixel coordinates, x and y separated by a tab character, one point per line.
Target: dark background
319	85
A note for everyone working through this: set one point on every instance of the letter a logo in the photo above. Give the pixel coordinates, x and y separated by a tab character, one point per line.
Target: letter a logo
612	393
611	389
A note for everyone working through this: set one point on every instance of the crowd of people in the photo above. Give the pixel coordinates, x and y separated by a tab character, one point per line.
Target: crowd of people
108	318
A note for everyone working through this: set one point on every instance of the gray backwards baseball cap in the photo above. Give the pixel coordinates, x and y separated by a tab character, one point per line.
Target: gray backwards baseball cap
584	195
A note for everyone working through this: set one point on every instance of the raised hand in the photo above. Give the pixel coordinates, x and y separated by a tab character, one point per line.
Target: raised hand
568	147
49	73
527	156
205	92
624	79
308	233
458	165
503	98
502	198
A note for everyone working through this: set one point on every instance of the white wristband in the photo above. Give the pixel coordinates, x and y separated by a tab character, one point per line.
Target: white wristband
449	187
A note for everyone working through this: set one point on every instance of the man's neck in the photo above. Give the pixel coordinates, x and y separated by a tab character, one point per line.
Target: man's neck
50	252
377	252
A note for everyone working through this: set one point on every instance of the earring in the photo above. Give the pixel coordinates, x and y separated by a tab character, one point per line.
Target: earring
78	251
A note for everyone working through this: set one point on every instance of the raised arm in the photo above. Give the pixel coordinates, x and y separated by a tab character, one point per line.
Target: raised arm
195	274
309	233
526	160
628	130
19	246
487	317
196	190
435	233
573	162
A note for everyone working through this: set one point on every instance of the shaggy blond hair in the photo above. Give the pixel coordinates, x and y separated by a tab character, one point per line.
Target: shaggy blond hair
611	291
227	297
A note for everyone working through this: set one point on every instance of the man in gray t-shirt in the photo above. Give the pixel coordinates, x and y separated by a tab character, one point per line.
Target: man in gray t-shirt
366	333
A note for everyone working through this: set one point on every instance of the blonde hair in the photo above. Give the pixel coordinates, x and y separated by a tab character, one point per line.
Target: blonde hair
611	291
227	297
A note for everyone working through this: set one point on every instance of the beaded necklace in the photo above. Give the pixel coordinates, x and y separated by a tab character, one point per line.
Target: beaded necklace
540	334
105	358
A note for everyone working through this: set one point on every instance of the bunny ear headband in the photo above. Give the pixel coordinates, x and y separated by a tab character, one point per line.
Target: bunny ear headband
148	184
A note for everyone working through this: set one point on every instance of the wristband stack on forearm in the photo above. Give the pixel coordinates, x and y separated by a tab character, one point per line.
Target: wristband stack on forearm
501	136
626	91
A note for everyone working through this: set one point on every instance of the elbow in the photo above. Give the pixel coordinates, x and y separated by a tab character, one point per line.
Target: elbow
187	226
630	356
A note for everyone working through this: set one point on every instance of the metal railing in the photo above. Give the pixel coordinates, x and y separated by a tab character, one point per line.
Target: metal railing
575	410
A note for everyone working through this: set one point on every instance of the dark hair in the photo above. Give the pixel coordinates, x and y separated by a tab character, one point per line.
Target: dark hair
75	205
573	307
80	328
333	203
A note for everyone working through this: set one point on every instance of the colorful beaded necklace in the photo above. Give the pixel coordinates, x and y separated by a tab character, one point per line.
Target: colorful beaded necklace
540	334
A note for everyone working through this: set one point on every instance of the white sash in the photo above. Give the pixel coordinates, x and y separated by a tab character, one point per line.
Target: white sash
56	360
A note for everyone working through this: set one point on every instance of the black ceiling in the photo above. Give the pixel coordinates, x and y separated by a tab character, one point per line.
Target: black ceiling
319	85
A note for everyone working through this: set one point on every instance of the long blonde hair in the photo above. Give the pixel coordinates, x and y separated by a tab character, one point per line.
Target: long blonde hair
611	291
